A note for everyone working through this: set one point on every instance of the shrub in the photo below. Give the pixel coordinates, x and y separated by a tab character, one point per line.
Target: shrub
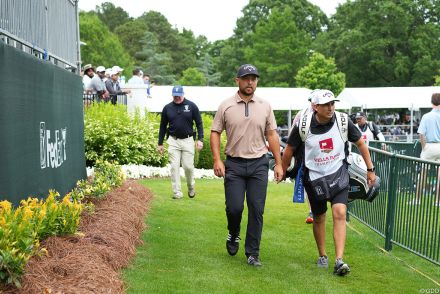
21	230
106	176
203	158
111	134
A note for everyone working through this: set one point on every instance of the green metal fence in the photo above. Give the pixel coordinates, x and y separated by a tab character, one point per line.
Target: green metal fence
407	210
404	148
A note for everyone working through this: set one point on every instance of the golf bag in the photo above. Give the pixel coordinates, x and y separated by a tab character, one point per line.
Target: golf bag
358	183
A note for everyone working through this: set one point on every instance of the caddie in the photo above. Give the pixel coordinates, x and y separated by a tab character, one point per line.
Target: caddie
324	135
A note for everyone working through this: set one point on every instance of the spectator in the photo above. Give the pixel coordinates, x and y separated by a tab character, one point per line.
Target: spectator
89	72
429	133
148	83
113	87
97	84
177	121
136	79
248	121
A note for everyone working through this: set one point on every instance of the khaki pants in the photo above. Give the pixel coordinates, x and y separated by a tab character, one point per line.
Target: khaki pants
181	151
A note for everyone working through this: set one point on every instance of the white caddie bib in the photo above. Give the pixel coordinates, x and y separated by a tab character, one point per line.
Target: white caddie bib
367	136
324	153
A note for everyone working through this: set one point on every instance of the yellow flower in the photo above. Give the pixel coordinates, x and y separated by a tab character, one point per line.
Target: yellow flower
5	205
66	200
42	213
27	213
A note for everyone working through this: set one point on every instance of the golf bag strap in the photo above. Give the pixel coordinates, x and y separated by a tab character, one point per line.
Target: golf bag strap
341	120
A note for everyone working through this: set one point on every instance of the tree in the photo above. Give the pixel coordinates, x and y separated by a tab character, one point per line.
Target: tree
192	77
170	41
321	73
244	47
206	66
437	79
278	55
130	35
157	64
385	43
102	47
306	16
111	15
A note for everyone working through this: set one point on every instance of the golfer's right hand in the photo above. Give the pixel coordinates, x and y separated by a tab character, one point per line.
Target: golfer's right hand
219	168
160	149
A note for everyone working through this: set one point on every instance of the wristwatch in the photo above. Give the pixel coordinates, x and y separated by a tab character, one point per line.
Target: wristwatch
371	169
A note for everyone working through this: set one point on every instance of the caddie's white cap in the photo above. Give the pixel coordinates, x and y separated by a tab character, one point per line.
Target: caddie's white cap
322	97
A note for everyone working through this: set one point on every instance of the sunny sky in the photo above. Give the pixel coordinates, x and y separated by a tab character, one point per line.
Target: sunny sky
213	19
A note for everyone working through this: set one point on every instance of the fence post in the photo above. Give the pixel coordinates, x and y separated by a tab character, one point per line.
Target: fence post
391	203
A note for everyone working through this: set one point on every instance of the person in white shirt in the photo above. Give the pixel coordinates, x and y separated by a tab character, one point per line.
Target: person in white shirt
369	130
136	79
89	72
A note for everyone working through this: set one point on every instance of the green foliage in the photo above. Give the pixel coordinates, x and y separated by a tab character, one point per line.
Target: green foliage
321	73
111	134
306	16
278	56
437	79
158	64
208	70
375	43
192	77
203	158
130	34
111	15
281	117
106	176
21	230
102	47
385	43
170	41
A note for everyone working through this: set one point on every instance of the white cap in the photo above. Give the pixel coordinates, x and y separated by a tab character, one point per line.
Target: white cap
100	68
117	68
322	96
113	72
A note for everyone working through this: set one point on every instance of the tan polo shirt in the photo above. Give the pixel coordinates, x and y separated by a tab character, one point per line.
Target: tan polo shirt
245	125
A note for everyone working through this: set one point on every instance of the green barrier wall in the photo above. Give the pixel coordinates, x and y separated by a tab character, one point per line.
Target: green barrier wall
41	127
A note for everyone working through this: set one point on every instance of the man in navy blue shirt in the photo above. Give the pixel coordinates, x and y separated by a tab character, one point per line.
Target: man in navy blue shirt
177	122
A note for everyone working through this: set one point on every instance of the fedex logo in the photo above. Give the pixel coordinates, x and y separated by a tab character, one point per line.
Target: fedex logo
326	145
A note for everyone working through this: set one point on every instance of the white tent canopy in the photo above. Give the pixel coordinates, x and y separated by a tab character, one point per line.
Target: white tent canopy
389	97
209	98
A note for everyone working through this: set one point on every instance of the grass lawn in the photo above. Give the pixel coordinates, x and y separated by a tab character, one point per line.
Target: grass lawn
184	251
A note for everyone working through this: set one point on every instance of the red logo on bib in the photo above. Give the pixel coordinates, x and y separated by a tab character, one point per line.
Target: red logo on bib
326	145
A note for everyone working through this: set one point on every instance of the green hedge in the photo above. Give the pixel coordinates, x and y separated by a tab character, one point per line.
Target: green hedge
203	158
111	134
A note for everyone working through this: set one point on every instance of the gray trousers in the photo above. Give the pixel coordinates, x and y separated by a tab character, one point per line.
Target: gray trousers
246	178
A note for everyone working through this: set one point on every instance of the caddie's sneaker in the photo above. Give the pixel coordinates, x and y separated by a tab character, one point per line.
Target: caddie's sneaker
341	268
309	219
191	193
232	244
254	261
322	261
177	196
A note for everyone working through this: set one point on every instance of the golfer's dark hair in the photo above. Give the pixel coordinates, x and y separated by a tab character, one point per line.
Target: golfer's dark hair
435	99
136	71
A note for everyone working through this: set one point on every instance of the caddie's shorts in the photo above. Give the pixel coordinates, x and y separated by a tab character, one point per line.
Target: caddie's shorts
320	206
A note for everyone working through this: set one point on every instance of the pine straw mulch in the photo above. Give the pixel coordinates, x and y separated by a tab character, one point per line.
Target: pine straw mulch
91	263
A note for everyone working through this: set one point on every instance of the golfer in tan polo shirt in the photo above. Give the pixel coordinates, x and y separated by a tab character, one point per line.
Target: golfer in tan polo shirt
249	122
